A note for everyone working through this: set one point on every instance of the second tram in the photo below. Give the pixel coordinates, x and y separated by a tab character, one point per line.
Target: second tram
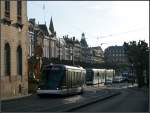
99	76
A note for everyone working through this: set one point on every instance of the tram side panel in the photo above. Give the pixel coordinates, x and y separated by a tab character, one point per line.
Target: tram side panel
89	76
109	76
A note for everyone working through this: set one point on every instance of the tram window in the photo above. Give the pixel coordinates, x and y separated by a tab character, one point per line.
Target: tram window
64	82
75	73
79	78
72	79
68	79
76	78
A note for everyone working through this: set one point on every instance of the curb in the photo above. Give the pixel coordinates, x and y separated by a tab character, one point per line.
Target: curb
13	98
89	102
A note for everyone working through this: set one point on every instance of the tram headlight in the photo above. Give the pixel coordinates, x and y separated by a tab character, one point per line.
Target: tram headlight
39	88
57	88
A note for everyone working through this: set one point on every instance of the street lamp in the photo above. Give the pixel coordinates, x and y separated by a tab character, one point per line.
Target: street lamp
59	50
132	73
73	50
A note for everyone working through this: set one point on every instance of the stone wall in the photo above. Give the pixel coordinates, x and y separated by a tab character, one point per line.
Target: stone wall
10	85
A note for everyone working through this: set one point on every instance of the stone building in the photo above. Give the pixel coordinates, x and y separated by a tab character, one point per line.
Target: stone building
115	55
77	51
46	40
14	51
87	55
68	48
40	35
61	45
33	29
85	51
53	40
97	54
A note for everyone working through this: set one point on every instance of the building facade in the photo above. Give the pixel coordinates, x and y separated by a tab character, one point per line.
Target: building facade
115	54
77	51
97	54
14	50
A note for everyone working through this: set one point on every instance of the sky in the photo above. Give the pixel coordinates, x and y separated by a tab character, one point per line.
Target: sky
105	23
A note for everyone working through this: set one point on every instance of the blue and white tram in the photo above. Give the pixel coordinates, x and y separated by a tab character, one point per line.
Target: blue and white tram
61	79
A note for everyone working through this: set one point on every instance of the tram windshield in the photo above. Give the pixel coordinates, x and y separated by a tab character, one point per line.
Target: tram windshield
51	78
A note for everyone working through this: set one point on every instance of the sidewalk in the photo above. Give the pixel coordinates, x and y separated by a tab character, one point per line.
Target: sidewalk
15	97
144	88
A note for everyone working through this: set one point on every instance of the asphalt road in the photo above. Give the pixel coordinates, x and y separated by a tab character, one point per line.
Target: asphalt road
130	100
35	104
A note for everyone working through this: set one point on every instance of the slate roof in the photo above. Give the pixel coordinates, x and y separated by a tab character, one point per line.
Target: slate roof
43	27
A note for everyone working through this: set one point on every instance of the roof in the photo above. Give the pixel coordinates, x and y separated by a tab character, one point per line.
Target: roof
65	66
43	27
51	26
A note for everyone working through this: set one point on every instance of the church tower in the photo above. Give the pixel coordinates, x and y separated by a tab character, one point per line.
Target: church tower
51	27
83	41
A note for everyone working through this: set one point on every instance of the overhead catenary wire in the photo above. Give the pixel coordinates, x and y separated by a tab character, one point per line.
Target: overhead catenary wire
121	33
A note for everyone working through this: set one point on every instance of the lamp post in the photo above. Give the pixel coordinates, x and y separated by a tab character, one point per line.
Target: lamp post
59	49
132	73
73	51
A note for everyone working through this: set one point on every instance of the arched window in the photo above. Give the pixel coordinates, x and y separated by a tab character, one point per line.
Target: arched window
7	8
19	10
7	59
19	60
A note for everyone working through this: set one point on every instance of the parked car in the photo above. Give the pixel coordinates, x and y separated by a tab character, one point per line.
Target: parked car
118	79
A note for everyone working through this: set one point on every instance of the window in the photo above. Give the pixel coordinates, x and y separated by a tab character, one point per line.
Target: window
7	59
7	8
19	60
19	9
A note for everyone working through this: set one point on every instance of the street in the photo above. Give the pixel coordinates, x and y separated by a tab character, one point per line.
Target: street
34	103
130	99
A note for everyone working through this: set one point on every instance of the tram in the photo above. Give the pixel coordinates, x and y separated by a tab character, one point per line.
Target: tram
95	76
109	76
61	80
99	76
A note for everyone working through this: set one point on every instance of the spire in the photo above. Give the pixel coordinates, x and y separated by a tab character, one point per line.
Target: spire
83	35
51	27
83	41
